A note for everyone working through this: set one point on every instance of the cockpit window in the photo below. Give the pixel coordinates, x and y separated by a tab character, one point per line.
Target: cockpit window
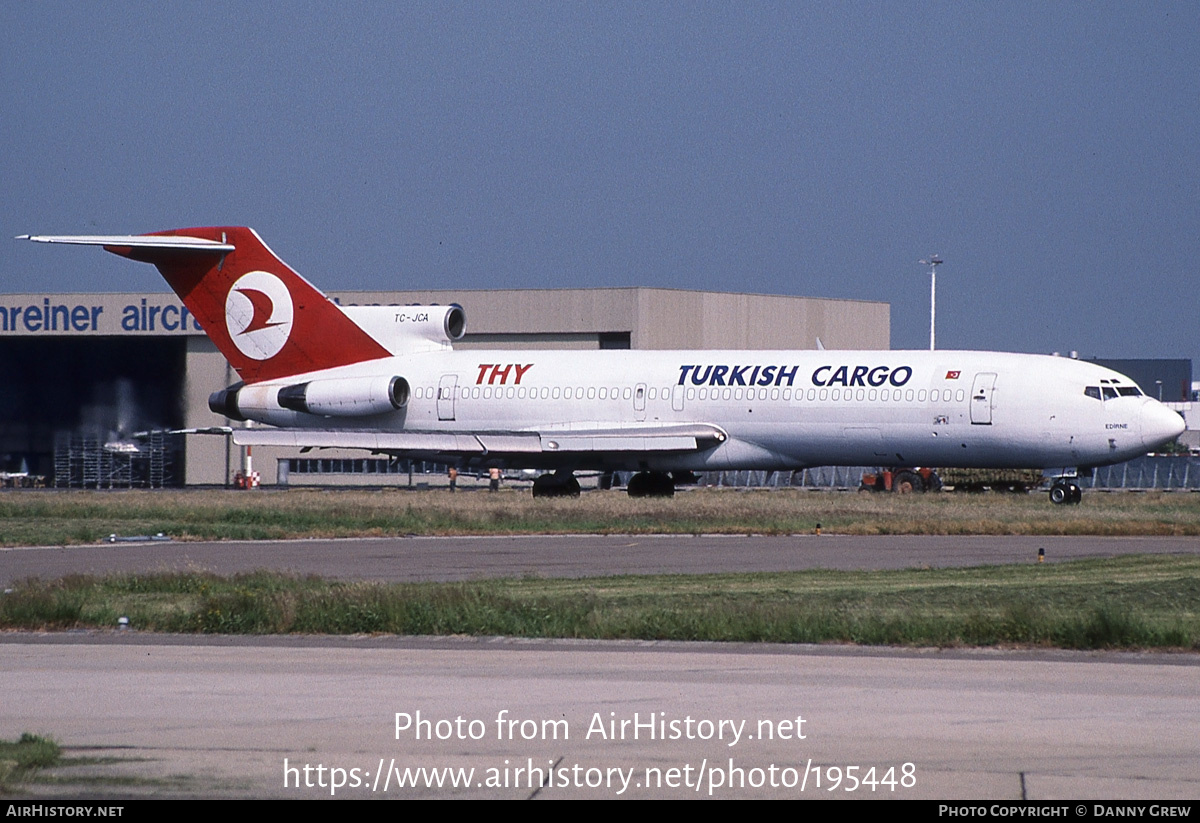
1092	391
1129	391
1109	392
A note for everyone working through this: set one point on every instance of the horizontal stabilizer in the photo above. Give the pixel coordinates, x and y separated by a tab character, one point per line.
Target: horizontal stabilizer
134	241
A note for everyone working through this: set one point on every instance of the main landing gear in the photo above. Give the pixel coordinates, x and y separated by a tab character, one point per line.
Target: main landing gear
1065	491
651	484
559	484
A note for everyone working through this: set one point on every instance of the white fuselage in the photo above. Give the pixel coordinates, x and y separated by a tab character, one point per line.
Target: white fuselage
779	409
407	392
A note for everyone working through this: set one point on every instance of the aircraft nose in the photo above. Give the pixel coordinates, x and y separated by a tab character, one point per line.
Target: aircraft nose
1160	425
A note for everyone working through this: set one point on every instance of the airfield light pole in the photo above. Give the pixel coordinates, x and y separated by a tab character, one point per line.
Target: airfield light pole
933	262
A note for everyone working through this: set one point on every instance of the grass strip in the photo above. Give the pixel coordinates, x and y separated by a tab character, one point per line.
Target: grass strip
1113	603
64	518
21	759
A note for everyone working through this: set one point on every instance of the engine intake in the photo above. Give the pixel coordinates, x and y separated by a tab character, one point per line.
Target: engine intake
407	329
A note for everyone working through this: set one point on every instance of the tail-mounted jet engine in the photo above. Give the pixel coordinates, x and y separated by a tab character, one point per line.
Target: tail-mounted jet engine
334	397
346	396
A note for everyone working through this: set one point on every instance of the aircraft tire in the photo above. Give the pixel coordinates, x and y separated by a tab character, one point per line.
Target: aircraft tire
651	484
1060	493
552	485
664	484
1076	493
543	485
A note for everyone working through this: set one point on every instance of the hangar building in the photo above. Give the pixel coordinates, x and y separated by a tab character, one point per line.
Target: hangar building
81	372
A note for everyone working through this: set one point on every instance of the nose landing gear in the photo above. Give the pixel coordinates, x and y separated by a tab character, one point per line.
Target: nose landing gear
1065	491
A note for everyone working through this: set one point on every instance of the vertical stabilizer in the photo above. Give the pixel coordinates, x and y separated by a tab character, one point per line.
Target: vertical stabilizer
266	319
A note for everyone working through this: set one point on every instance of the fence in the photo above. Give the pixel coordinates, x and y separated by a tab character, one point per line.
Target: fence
1150	472
1174	472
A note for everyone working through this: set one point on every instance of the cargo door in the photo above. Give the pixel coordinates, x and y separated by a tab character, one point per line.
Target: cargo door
981	398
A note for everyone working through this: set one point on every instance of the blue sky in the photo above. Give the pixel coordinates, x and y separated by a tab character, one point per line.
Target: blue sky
1048	151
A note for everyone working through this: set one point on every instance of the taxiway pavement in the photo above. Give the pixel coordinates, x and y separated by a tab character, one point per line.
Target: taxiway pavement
243	717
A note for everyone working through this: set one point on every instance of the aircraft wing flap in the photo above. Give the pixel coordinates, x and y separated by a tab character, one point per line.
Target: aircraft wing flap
689	437
697	431
375	441
511	443
645	438
616	443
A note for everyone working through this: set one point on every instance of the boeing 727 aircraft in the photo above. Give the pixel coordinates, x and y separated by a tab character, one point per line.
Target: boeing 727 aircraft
387	379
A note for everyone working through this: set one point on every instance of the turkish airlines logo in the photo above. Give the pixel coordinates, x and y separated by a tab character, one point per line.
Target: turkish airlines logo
258	315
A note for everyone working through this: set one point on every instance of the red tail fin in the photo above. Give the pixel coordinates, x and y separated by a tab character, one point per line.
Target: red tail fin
267	320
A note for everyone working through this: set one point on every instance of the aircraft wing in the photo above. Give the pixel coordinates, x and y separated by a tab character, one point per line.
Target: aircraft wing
683	438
